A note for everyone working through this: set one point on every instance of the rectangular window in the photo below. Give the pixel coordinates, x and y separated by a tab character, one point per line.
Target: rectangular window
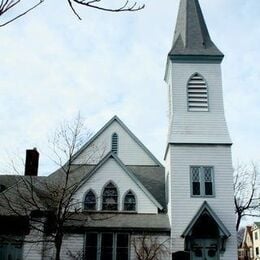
202	181
122	247
257	251
256	235
91	246
107	246
11	250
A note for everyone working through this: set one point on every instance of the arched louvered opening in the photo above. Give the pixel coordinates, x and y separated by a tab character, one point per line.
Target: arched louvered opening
114	144
130	201
197	94
90	202
110	197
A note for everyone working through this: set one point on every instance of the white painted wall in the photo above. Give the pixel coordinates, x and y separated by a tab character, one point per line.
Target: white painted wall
196	127
111	171
32	250
184	208
129	151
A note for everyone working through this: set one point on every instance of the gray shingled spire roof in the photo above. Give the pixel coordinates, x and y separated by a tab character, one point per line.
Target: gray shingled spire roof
191	36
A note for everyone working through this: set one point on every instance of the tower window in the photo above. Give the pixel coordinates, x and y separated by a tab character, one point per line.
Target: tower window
197	94
114	144
202	181
90	201
130	202
110	197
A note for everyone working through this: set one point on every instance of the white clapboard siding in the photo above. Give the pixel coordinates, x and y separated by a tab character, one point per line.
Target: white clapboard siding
111	171
204	121
183	207
130	152
32	250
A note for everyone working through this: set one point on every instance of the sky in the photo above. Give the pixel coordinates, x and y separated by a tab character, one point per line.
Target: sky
53	66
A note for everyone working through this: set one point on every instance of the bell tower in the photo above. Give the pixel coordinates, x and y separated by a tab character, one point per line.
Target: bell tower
198	154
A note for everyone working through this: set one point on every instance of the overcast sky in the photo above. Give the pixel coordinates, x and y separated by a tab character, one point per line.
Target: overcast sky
53	65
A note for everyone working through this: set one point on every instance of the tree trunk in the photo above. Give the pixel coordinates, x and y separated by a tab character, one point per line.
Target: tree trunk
238	221
58	243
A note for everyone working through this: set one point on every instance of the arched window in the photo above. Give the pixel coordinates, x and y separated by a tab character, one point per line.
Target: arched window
130	202
110	197
114	143
90	201
197	94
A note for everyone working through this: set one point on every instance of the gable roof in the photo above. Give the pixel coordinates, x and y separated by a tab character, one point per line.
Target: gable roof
113	119
191	33
205	207
127	171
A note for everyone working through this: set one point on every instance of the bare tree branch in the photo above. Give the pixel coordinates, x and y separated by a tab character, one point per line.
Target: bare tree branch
8	4
126	7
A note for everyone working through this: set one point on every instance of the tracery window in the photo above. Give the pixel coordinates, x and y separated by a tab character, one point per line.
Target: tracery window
197	94
90	201
110	197
202	181
114	144
130	202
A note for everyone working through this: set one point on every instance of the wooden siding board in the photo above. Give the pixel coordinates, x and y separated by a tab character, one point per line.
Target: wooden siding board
128	150
112	171
194	126
184	205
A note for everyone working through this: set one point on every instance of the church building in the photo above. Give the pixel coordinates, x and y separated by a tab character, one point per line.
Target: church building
127	204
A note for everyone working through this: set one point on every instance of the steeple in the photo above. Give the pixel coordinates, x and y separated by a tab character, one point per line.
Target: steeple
191	36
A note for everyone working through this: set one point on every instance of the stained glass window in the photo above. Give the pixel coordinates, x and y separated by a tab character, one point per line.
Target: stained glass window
90	201
202	181
110	197
129	202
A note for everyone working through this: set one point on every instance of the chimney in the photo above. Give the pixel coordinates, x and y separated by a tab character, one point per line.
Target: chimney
31	162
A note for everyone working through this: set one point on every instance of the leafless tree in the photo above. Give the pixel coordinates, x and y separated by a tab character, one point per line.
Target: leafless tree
12	5
48	202
246	196
150	247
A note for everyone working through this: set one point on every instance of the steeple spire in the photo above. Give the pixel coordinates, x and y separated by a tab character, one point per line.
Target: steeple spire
191	36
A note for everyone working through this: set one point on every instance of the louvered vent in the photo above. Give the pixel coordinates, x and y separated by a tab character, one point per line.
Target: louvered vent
114	143
197	94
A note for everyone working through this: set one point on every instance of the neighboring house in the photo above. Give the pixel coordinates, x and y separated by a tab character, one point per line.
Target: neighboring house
256	239
124	192
246	249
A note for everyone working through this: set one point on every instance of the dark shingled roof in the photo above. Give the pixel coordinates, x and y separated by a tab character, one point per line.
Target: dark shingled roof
153	178
191	34
155	222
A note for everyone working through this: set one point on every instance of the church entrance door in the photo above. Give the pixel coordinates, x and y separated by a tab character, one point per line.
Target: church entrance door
204	249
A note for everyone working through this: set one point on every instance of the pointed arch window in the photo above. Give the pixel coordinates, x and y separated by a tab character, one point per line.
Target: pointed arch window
130	201
110	197
197	94
114	143
90	201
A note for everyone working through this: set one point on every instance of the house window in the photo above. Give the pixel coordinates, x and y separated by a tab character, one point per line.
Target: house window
114	145
90	201
130	202
11	249
107	246
202	181
256	235
257	251
197	94
110	197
